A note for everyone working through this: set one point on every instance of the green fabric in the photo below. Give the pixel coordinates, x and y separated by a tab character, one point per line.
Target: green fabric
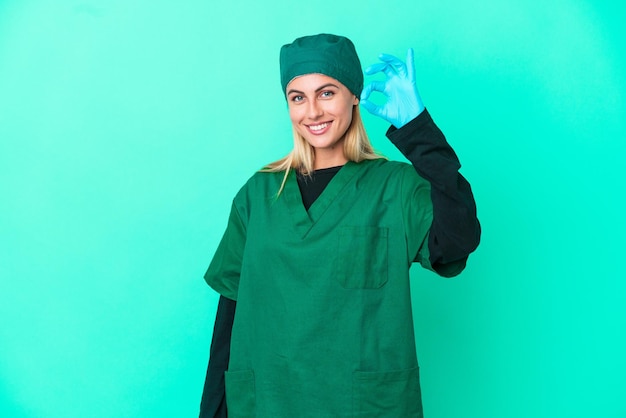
323	326
331	55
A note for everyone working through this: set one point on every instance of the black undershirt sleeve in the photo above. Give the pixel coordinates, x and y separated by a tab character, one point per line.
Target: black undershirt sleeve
454	233
213	404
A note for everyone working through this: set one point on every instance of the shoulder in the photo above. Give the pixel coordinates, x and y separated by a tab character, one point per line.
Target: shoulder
264	177
261	183
383	164
389	170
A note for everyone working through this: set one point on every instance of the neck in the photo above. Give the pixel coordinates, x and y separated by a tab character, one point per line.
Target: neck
321	163
329	157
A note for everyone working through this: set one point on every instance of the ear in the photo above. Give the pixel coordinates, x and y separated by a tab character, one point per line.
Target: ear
355	101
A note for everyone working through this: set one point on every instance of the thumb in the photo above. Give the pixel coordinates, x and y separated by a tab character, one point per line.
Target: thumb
372	107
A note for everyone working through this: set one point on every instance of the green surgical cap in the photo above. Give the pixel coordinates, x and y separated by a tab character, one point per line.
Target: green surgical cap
331	55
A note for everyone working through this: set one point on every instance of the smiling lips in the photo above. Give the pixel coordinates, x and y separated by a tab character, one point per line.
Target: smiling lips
319	129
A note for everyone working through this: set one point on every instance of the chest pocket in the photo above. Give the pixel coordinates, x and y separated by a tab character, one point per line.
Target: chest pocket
362	258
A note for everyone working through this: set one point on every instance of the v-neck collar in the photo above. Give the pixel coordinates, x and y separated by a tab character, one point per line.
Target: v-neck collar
303	220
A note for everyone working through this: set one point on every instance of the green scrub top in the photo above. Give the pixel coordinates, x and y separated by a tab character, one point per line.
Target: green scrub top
323	326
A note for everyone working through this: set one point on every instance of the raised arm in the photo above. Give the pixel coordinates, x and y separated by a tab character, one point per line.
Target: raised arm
455	230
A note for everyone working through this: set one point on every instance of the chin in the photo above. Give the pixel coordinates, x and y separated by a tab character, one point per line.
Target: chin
323	143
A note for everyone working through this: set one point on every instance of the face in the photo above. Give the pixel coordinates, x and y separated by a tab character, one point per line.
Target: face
320	109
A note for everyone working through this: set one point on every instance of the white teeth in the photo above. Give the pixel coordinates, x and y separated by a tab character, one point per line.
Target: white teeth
318	127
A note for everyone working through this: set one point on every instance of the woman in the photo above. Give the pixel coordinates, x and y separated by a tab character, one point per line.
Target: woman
319	244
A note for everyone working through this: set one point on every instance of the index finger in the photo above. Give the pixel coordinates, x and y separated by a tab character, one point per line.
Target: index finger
395	62
374	68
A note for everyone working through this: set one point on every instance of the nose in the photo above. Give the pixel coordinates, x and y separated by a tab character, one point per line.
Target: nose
314	110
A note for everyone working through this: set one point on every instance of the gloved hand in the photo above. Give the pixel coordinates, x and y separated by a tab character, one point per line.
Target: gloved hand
403	100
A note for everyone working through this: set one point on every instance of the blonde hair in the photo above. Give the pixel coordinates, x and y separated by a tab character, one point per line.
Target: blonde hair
356	147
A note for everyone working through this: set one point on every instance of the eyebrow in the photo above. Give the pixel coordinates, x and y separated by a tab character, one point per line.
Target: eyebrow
316	90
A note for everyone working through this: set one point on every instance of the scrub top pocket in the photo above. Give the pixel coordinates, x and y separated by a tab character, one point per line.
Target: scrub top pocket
362	258
240	394
394	394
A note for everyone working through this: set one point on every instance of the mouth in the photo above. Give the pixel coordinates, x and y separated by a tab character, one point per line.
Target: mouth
319	128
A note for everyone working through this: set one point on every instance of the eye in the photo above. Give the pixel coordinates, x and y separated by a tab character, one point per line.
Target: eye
296	98
326	94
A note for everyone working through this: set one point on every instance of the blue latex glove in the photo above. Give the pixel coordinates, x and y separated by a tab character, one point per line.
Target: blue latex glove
403	100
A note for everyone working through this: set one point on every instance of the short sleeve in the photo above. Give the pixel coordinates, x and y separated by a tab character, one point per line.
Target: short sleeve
417	212
225	269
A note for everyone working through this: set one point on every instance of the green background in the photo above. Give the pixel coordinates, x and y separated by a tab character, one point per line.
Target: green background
126	127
